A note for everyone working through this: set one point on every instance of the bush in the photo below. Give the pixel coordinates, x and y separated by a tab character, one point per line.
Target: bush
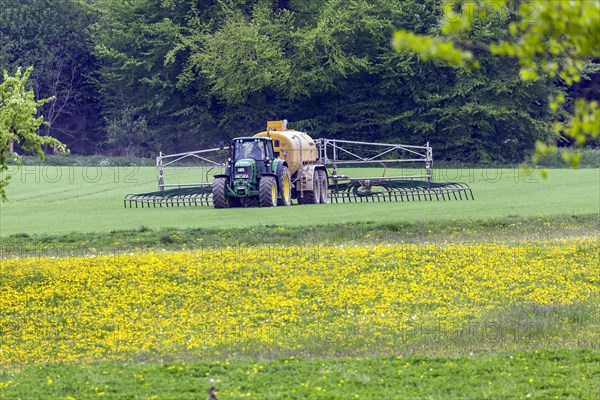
86	161
590	158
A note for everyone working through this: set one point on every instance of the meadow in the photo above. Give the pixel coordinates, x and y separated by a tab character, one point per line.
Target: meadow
78	327
493	298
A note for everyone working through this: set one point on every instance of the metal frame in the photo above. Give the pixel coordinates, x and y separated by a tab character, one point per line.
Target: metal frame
195	196
337	148
390	189
166	162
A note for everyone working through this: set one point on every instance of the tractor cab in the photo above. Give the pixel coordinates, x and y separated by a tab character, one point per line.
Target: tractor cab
258	149
252	155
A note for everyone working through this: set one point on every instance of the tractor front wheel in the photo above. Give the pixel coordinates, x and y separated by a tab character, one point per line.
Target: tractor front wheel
219	193
250	202
267	190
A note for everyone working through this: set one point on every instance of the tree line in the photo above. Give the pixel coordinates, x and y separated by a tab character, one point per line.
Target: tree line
140	76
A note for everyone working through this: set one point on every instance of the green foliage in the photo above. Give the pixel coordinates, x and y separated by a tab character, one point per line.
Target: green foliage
585	158
245	55
190	74
551	39
434	48
329	69
128	133
88	161
19	122
50	35
262	61
131	42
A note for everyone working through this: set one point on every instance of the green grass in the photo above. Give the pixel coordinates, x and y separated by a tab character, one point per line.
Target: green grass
52	200
561	374
507	229
79	210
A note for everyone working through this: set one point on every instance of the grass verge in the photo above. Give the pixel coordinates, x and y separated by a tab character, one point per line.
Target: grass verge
559	374
460	230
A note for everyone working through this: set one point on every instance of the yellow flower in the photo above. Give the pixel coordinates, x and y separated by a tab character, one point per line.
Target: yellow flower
276	299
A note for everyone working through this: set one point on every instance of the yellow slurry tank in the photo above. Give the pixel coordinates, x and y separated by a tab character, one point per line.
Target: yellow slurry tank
296	148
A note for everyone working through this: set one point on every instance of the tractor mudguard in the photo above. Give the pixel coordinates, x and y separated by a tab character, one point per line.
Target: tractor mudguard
277	165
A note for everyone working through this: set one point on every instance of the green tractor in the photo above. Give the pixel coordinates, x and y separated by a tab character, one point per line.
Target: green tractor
254	176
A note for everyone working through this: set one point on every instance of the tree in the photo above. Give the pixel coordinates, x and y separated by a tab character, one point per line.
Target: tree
50	35
19	122
176	74
131	40
128	133
329	69
554	39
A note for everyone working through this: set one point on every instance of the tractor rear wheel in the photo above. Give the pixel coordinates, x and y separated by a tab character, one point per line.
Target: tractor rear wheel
219	193
267	190
324	186
285	187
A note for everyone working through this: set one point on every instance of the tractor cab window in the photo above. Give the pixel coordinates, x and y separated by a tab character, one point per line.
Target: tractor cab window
250	149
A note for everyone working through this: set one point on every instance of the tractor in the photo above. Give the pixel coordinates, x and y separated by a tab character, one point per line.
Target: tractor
270	169
275	166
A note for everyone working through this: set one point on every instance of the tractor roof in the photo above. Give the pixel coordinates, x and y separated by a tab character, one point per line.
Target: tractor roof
251	138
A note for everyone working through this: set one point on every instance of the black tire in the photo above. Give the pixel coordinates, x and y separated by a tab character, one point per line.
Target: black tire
285	190
267	191
219	193
306	197
324	186
251	202
311	196
317	187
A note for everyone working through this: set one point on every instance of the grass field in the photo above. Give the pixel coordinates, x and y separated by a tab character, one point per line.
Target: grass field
92	196
496	298
521	375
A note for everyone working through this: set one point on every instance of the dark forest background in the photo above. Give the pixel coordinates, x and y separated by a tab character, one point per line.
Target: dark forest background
134	77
